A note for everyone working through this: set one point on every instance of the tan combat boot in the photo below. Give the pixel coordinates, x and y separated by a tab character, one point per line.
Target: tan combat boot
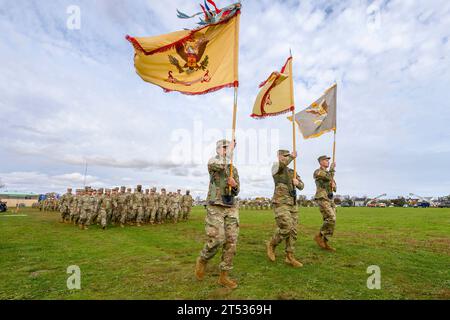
290	259
270	251
225	281
200	267
328	247
318	238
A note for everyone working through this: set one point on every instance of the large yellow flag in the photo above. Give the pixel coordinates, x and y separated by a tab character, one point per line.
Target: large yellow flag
191	61
276	96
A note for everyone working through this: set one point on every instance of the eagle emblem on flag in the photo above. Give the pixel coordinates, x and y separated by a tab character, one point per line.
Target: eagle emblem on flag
191	52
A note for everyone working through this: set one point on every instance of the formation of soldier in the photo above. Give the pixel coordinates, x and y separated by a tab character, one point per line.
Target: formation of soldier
256	204
123	207
50	203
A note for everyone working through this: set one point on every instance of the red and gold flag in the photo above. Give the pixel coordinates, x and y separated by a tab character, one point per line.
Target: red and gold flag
191	61
275	96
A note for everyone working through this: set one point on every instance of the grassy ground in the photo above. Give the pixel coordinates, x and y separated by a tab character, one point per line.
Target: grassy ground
411	246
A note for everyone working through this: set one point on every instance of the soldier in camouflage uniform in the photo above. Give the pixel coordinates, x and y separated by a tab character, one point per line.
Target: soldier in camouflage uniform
285	207
325	186
122	206
104	204
84	208
153	205
129	207
115	213
65	203
94	210
146	206
169	206
186	205
138	205
73	206
162	206
222	218
176	206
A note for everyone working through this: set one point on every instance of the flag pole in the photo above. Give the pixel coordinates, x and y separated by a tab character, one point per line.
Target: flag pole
294	144
334	146
233	133
334	136
233	130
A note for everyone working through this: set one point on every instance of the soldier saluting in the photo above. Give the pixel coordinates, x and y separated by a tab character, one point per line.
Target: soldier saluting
325	185
285	207
222	217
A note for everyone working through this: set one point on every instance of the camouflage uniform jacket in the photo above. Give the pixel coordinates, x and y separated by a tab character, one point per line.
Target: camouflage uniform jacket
152	200
105	202
186	200
282	177
138	200
163	199
323	180
219	172
66	200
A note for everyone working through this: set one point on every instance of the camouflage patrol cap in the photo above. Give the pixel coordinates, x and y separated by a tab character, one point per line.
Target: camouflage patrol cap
282	152
323	158
86	188
128	189
222	143
139	187
123	188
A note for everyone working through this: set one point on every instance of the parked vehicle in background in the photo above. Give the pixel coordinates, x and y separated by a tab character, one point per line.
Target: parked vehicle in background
3	207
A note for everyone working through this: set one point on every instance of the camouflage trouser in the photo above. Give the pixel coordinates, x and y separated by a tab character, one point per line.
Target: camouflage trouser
139	214
153	213
286	217
162	211
92	217
222	230
65	213
175	212
146	214
123	214
328	211
131	214
103	217
72	213
75	215
114	214
186	211
84	215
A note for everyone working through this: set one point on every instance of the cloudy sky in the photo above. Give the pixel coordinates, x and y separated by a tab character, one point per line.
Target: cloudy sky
71	96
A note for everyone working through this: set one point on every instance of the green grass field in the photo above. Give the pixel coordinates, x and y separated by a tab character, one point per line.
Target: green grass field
411	246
